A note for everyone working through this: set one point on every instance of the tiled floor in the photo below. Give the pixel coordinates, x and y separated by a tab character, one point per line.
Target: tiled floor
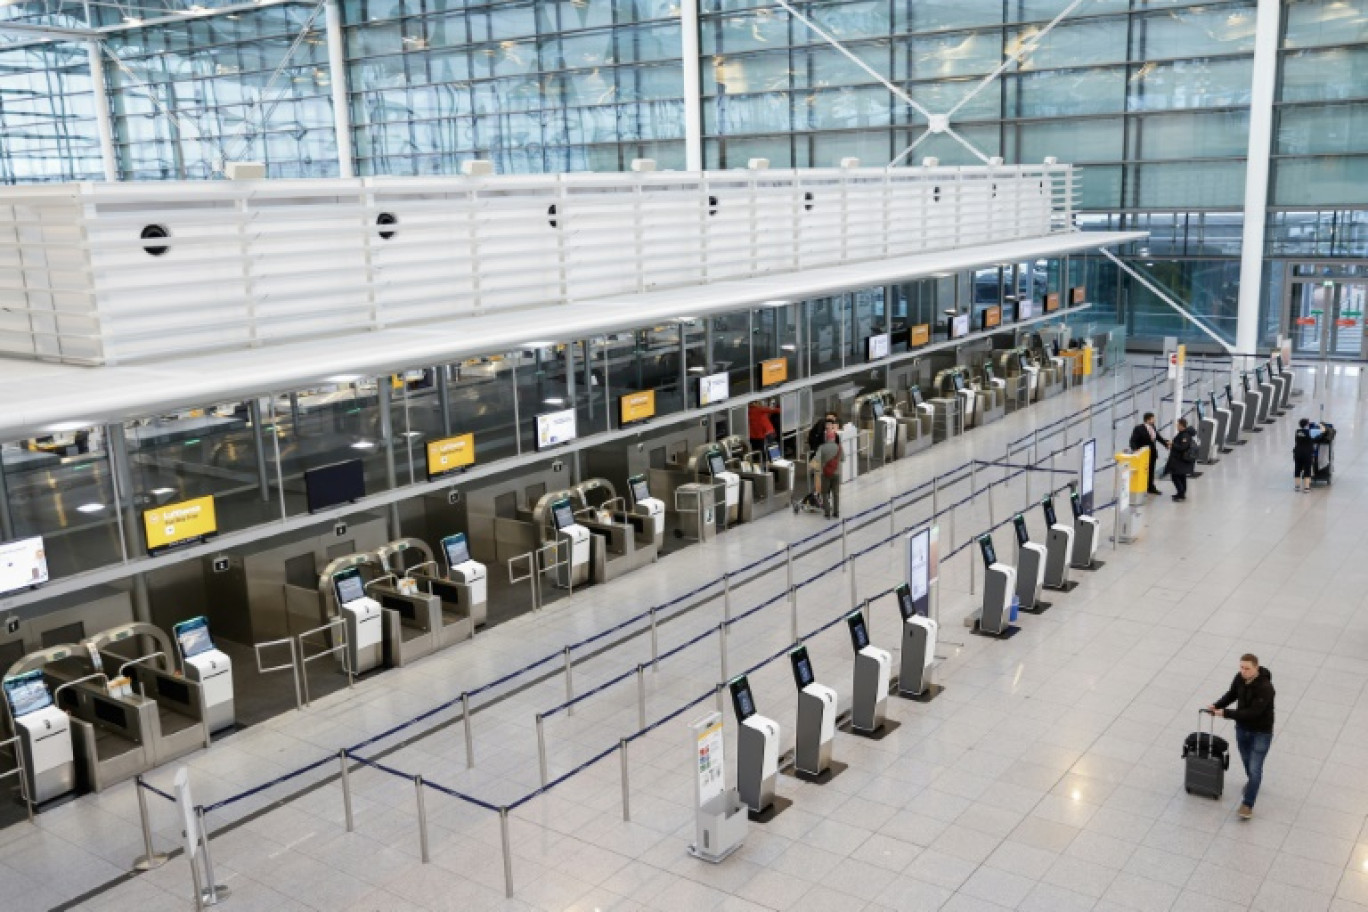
1045	777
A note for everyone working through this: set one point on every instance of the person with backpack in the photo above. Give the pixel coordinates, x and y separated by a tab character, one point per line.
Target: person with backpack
1183	453
1146	436
1304	455
829	458
1252	692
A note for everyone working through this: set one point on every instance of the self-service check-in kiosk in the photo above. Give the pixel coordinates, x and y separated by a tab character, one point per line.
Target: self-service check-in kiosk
618	543
202	661
1267	396
1208	433
1284	383
873	671
1059	543
710	464
758	489
999	588
1250	419
1030	568
362	614
916	423
44	733
470	576
992	396
1222	419
816	719
1016	365
757	750
447	597
1087	535
952	385
572	541
648	511
918	648
1236	407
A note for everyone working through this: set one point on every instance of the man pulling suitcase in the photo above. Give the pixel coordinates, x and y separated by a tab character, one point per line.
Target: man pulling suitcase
1253	694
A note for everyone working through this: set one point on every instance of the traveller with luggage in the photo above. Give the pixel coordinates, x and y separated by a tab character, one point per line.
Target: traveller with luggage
1252	693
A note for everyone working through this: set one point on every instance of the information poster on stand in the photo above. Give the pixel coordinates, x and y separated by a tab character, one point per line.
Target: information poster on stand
1085	480
709	747
919	570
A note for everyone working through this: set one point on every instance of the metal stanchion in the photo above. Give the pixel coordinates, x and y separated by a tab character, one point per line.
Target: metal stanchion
788	563
422	818
854	584
726	597
892	521
507	852
626	782
655	643
721	704
992	520
213	891
793	614
150	860
346	787
541	746
641	698
722	648
570	678
469	735
845	543
973	568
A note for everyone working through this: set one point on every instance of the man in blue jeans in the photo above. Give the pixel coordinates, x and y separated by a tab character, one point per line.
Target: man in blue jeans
1252	692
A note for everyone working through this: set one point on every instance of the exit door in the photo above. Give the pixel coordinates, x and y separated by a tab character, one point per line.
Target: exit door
1326	318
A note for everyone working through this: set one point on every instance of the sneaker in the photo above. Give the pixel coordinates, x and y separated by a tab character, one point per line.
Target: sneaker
1245	812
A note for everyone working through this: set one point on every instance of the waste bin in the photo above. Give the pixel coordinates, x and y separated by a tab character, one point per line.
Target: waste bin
1139	469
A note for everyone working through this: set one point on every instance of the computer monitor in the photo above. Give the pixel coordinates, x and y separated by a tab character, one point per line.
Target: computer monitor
987	371
716	464
640	491
193	636
743	701
802	667
457	550
27	693
906	607
1047	506
876	408
562	514
957	380
1022	533
1023	361
859	632
1200	414
349	586
989	552
1258	375
331	485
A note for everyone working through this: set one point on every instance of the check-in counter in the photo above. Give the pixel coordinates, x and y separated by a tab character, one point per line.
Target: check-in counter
143	653
460	594
749	466
617	546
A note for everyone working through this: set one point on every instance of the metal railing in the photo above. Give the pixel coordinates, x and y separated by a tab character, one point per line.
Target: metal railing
341	647
293	666
19	770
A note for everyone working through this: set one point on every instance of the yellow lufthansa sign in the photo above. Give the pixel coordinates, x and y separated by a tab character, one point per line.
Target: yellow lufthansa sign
992	317
637	406
1052	302
773	371
178	523
919	335
449	454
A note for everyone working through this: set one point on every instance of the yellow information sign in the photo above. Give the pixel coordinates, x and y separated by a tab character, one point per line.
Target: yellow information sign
992	317
637	406
919	335
179	523
773	371
449	454
1052	301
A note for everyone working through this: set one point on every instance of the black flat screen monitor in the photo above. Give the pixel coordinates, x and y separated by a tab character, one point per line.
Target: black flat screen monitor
1022	533
773	453
562	514
802	667
906	607
1051	520
640	491
716	464
876	408
859	633
349	586
456	549
1076	505
989	552
27	693
917	396
742	699
331	485
193	636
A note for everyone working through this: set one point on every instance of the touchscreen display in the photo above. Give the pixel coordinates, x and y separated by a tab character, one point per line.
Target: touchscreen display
1230	399
859	633
1075	505
742	701
193	636
23	563
639	490
716	465
989	554
27	693
457	549
988	372
905	606
1019	523
1277	359
876	408
773	452
1050	518
1244	381
562	514
958	381
1214	406
917	396
1023	361
349	586
802	667
1258	375
1201	415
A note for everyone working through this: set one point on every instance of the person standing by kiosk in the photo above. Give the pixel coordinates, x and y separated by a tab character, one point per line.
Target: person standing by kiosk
1145	435
829	460
1252	692
1304	455
760	422
1182	458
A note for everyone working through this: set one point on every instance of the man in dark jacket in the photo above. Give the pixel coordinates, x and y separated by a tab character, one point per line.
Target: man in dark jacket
1182	458
1252	692
1146	434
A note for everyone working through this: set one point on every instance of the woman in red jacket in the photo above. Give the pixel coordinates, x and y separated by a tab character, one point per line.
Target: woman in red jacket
758	417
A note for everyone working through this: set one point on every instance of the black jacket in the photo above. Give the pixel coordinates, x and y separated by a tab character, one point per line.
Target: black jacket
1303	444
1183	454
1255	699
1140	438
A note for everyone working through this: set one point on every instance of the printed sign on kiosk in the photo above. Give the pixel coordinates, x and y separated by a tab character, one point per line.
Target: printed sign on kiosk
180	523
450	454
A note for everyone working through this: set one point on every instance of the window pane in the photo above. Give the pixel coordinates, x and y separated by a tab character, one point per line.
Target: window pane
1062	93
1190	84
1078	44
1189	33
1074	141
1209	134
1304	74
1322	129
1314	22
1320	181
1189	184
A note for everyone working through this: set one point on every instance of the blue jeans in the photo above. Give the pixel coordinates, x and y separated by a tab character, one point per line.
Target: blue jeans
1253	749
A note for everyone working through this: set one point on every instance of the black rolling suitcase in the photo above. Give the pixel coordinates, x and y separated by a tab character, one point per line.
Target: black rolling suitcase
1207	757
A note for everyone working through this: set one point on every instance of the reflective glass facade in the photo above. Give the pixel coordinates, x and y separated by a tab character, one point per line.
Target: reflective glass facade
1151	97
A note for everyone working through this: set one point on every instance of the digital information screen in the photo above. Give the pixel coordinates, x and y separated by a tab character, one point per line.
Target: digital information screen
193	636
716	465
989	552
959	326
1075	504
180	523
802	667
349	586
773	453
742	700
859	633
1022	533
1025	310
919	571
640	491
23	563
1051	518
1085	481
562	514
957	380
637	406
772	371
457	549
713	389
27	693
879	346
450	454
555	428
